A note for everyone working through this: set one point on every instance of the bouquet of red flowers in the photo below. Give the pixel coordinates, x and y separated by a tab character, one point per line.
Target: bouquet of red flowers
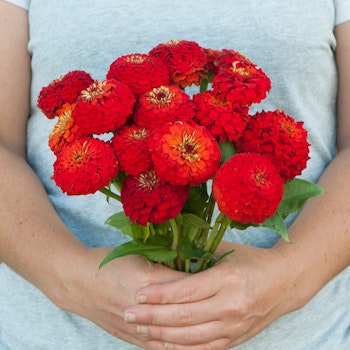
161	148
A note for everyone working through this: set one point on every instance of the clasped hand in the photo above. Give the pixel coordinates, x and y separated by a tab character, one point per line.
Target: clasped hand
218	308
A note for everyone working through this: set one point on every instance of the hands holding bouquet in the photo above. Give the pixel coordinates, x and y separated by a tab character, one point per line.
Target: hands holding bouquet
139	138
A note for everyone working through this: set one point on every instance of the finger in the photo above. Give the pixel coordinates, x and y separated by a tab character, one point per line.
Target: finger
217	344
192	288
174	315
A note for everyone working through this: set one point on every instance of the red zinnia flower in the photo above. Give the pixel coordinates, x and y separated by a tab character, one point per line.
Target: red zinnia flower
61	91
104	106
65	130
241	82
248	188
186	61
184	154
161	105
140	72
224	119
280	138
131	147
84	166
146	198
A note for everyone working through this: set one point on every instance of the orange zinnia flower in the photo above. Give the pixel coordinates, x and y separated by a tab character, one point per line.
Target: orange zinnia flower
184	153
65	130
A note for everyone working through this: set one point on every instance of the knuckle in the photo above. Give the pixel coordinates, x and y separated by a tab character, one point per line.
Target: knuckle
185	315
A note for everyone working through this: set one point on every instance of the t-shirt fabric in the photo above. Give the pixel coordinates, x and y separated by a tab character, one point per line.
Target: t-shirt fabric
292	41
342	9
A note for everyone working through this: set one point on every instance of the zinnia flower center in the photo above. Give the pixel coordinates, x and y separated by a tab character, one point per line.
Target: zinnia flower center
243	71
95	90
161	96
81	155
171	42
188	148
260	177
137	59
139	134
148	180
289	127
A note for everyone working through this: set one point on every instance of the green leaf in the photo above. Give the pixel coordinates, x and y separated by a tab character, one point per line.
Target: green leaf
188	251
277	224
227	150
223	256
154	249
239	226
121	222
296	192
194	221
197	200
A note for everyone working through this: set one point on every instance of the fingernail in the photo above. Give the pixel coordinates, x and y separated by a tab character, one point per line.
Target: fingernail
141	299
168	346
142	330
130	317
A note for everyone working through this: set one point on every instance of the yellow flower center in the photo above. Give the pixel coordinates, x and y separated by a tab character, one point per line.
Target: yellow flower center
138	134
136	59
161	96
148	180
260	177
188	147
80	155
171	42
96	90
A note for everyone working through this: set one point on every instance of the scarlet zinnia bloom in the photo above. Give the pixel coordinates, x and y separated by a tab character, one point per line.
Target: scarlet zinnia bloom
248	188
161	105
61	91
130	144
224	119
280	138
84	166
184	154
140	72
65	130
146	198
186	61
241	82
104	106
224	58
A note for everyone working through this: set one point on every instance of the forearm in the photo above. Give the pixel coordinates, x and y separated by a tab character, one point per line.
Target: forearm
320	236
33	240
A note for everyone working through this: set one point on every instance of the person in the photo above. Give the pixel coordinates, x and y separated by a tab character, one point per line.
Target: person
266	295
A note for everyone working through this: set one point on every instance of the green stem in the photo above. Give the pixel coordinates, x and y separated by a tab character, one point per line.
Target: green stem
188	265
214	231
214	240
175	232
208	214
109	193
218	237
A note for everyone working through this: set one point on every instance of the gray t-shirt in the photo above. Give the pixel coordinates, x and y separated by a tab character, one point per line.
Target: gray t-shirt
292	40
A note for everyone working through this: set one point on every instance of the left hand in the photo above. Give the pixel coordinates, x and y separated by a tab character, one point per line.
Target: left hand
220	307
